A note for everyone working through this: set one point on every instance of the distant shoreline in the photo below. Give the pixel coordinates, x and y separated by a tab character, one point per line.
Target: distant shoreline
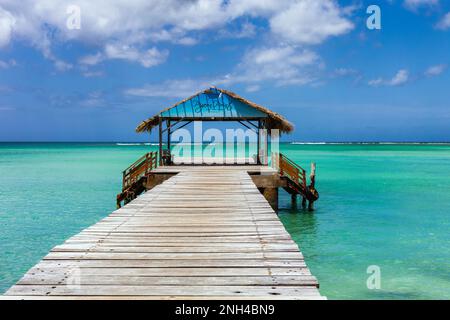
126	143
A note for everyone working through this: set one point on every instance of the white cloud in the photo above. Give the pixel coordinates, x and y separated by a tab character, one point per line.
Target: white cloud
147	58
444	23
102	21
187	41
310	22
416	4
283	64
7	22
129	30
435	70
400	78
259	8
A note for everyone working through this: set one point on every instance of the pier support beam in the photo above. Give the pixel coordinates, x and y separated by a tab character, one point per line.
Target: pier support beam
294	200
304	203
271	195
160	143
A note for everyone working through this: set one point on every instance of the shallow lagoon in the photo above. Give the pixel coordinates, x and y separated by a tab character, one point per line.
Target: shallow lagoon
384	205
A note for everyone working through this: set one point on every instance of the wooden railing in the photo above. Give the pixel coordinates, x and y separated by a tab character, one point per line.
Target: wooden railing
290	169
139	168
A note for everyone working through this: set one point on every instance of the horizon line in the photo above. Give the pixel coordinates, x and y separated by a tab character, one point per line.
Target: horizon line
292	142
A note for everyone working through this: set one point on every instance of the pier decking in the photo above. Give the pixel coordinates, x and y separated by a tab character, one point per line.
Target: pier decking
204	233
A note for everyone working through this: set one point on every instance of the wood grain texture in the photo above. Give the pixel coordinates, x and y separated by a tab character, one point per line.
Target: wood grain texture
205	233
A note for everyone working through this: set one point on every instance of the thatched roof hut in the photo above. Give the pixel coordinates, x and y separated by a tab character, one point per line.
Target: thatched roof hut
214	104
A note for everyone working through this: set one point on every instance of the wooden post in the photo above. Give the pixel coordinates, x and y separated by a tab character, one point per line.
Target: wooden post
168	134
304	203
160	142
310	205
312	177
280	164
294	200
271	195
264	138
168	141
266	148
258	159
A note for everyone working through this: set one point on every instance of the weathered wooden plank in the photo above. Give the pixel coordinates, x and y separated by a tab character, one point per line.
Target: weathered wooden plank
182	247
94	290
206	232
43	279
95	255
182	237
42	269
177	297
171	263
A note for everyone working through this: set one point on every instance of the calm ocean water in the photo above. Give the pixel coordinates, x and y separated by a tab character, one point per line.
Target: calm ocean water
383	205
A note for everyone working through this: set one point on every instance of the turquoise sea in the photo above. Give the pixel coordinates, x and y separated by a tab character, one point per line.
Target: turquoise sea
385	205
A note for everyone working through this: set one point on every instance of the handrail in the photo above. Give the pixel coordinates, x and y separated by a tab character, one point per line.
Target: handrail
290	169
135	163
138	169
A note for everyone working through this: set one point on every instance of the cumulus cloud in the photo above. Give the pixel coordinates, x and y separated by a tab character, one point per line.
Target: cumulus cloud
400	78
285	65
435	70
7	22
147	58
130	30
444	23
310	22
282	64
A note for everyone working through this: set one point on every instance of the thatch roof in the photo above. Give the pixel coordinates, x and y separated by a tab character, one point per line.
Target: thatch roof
272	121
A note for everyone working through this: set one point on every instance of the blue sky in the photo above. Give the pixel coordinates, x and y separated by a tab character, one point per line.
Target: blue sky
314	61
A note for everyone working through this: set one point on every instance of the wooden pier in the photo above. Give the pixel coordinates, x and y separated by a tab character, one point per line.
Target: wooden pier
208	230
205	232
